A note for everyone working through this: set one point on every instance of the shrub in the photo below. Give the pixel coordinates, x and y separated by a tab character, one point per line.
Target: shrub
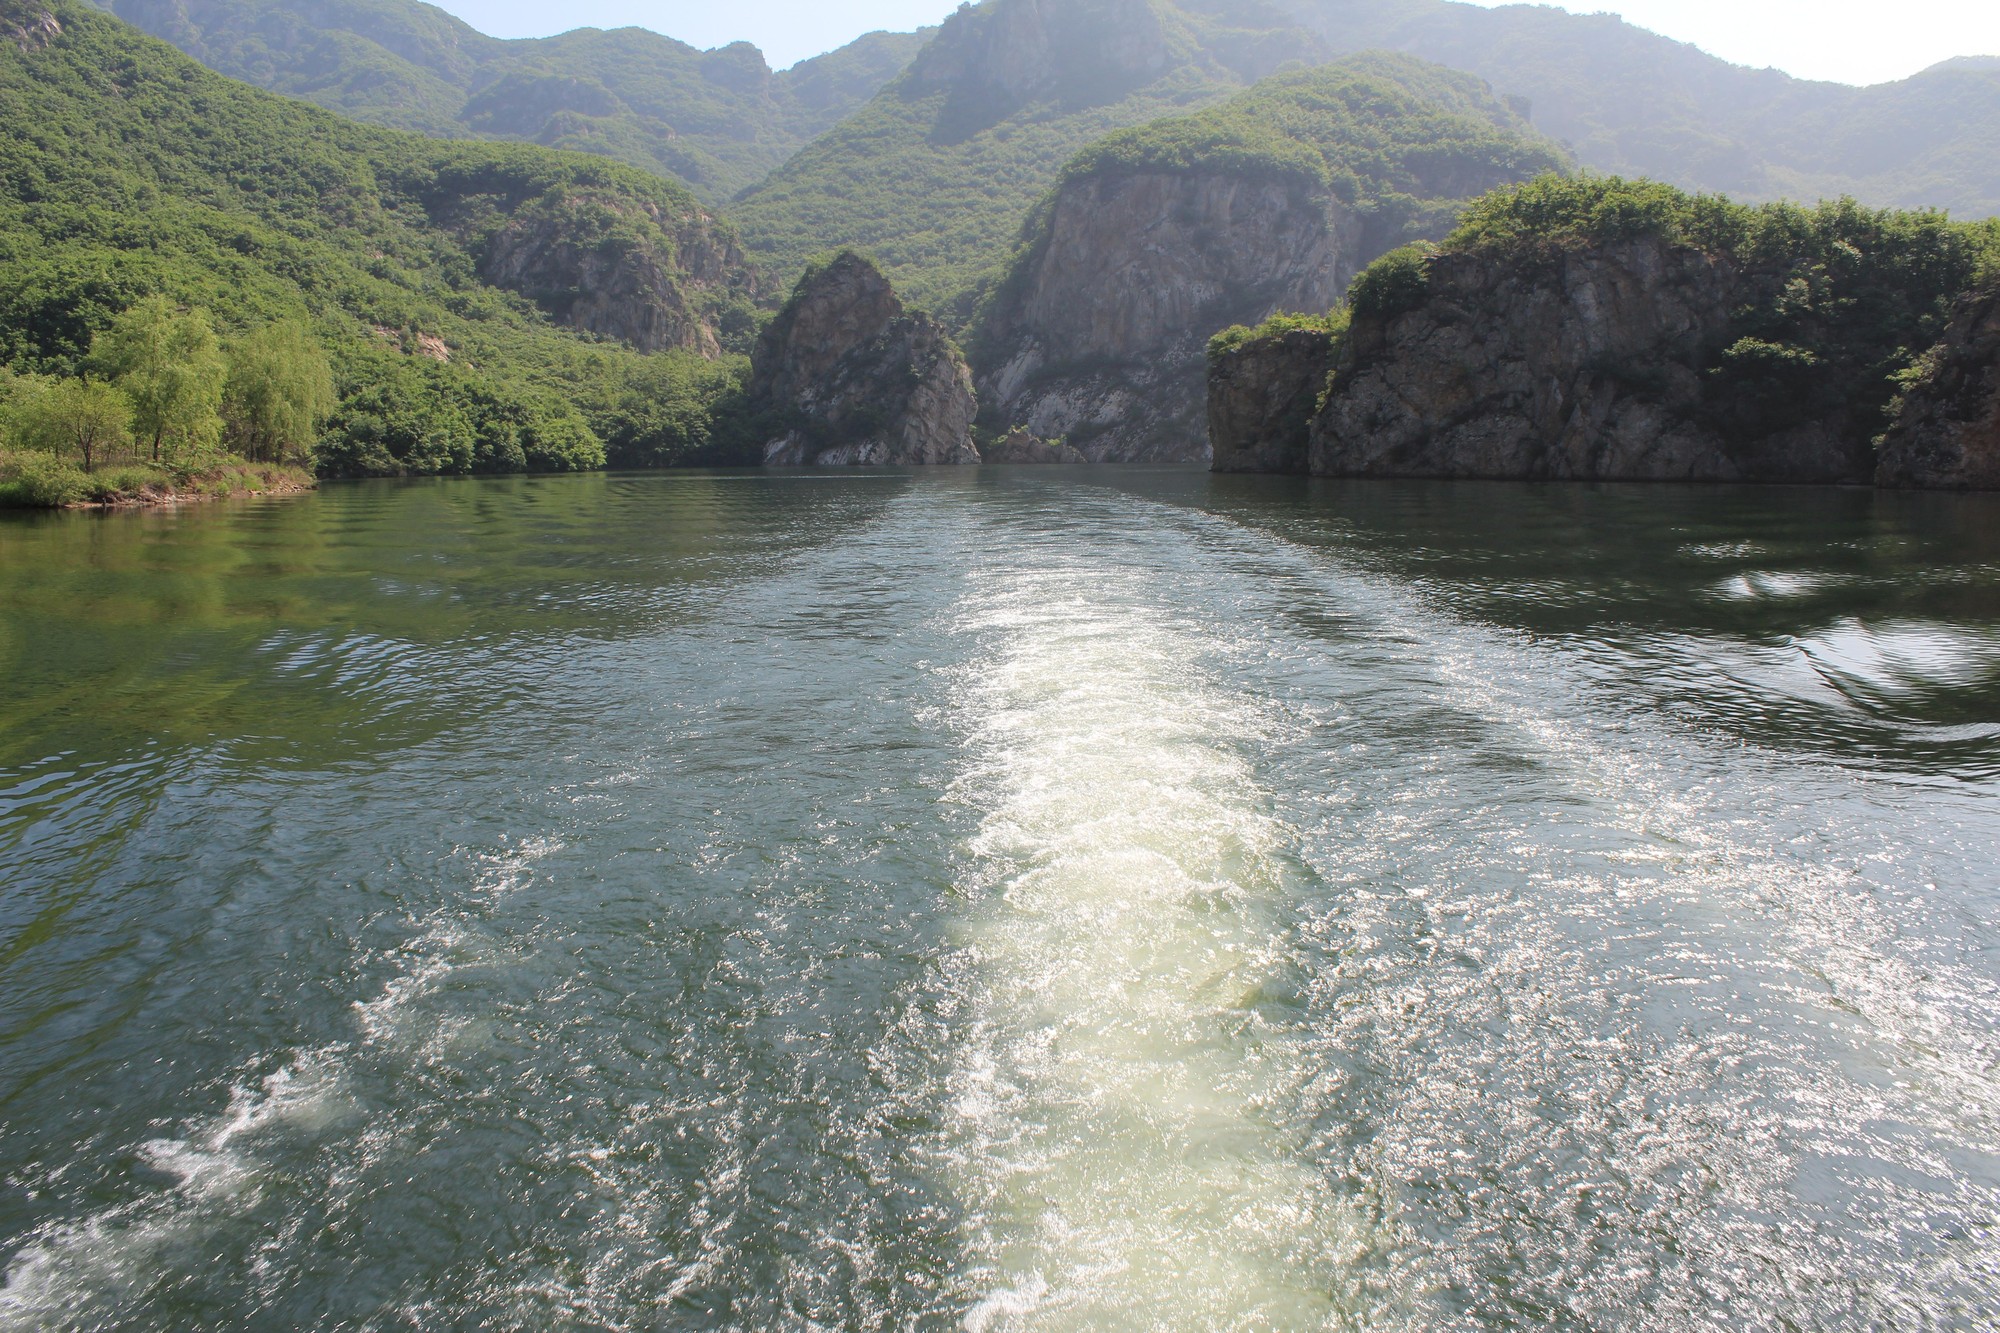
123	483
1397	282
40	481
1333	324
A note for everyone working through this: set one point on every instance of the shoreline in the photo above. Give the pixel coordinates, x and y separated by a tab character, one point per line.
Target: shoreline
195	494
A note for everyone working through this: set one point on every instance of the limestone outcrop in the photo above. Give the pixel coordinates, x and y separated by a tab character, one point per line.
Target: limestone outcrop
846	376
1019	446
621	268
1103	338
1156	239
1946	434
1261	398
1588	363
28	24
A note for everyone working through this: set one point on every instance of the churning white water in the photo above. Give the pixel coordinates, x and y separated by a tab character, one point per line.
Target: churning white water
1124	1161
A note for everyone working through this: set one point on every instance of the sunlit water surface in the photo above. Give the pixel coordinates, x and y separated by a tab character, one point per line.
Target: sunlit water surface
1002	900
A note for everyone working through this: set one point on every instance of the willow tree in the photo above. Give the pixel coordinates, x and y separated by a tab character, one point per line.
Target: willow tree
88	418
170	365
280	392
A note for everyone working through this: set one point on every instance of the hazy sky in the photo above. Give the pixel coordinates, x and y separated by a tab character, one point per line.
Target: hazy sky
1854	41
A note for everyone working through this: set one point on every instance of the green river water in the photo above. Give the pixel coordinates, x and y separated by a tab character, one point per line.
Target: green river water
1002	899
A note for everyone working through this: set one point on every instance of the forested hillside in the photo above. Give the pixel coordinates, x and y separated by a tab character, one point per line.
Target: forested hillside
933	176
718	120
486	305
1632	102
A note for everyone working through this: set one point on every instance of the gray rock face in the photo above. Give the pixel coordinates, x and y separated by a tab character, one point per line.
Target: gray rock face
1261	400
1947	431
28	24
619	269
1585	365
999	57
848	377
1018	446
1104	341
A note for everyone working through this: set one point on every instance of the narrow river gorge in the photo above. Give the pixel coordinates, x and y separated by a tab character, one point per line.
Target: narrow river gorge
1002	899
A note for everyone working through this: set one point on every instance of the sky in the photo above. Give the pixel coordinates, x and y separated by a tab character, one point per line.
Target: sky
1850	41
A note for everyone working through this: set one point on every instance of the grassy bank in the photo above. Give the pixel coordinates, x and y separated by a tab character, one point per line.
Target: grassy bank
42	481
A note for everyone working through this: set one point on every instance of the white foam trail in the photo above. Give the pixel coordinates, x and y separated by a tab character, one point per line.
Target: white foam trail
72	1275
67	1276
1122	1163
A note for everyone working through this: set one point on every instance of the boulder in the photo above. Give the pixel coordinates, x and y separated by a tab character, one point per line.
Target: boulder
1018	446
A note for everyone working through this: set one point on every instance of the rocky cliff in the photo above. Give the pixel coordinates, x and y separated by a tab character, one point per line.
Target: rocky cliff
1262	394
1590	365
1103	343
1157	238
844	375
621	267
1947	428
1593	328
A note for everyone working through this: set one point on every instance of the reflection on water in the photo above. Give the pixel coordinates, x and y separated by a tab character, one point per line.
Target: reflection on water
1002	900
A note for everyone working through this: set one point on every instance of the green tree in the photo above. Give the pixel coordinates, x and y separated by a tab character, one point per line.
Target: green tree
170	365
279	393
86	417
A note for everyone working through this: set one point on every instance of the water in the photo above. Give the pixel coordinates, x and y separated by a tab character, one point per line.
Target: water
1002	900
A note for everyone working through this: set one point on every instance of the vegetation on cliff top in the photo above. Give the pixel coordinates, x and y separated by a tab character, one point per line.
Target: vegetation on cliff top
1402	141
1329	326
1842	300
132	172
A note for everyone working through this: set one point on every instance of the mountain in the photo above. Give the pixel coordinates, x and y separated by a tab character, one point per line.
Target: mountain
717	120
933	175
447	279
1631	102
1157	237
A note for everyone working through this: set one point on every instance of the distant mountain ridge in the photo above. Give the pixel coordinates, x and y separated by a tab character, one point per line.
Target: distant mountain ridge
1631	102
933	176
719	121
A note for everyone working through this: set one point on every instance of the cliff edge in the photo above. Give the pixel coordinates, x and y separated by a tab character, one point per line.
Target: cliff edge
1608	330
1947	429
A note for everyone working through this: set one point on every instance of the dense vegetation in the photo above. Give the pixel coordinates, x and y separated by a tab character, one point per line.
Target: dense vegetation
164	407
1629	101
1847	298
130	172
718	120
933	176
